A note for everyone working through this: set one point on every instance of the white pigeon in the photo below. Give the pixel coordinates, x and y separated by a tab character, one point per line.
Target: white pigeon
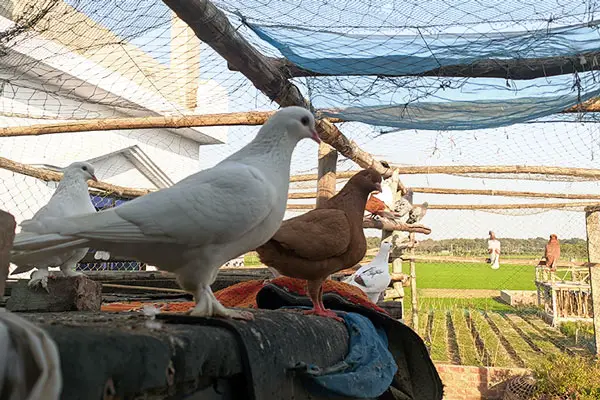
200	223
374	277
70	198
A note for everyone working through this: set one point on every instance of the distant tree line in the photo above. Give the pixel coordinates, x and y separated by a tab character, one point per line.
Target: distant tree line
570	248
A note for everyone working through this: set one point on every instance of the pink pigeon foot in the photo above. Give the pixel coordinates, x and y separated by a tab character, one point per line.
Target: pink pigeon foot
315	292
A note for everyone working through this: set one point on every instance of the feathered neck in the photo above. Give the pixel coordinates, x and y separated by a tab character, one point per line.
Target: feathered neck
72	184
382	255
351	196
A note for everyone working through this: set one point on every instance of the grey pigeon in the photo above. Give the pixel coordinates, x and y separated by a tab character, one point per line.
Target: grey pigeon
198	224
70	198
373	278
417	213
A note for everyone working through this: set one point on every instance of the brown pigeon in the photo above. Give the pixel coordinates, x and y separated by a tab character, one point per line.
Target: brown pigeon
552	253
328	239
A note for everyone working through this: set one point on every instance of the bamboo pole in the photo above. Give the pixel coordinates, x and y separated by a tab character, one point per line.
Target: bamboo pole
249	118
479	192
413	286
512	206
504	193
384	224
48	176
212	27
327	170
474	169
516	206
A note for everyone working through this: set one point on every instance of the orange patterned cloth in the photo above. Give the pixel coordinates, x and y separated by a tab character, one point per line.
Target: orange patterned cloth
243	295
175	306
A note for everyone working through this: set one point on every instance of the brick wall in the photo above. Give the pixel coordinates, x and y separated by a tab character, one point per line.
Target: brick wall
475	383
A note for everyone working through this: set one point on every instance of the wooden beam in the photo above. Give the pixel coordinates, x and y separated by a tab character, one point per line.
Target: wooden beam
7	235
592	224
212	27
384	224
52	176
327	166
572	204
413	286
250	118
516	206
519	69
502	193
478	192
473	169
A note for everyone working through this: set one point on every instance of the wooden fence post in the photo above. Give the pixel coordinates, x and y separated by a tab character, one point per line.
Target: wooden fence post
592	223
327	168
413	285
7	235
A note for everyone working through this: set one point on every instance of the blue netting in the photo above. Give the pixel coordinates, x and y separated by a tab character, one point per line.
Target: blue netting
449	104
374	52
338	53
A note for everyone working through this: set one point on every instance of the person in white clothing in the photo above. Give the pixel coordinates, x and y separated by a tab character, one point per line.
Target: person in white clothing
494	251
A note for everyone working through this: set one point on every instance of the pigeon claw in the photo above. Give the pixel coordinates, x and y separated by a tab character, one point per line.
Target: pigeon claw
37	282
242	315
323	313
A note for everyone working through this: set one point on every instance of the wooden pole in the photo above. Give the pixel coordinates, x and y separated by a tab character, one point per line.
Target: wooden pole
478	192
413	286
504	193
7	235
518	69
516	206
593	174
327	169
249	118
212	27
592	223
49	176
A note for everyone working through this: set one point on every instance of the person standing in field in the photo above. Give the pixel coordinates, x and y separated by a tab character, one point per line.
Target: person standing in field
494	250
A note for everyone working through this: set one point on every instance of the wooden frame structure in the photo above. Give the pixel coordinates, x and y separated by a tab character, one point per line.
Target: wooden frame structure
564	299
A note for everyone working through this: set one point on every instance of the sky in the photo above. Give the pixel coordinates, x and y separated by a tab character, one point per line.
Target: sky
574	144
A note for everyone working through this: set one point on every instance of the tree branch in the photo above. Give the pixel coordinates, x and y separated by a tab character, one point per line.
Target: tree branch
386	224
212	26
519	69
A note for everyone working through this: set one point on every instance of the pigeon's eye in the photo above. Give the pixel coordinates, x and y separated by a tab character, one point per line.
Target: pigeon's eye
305	121
84	168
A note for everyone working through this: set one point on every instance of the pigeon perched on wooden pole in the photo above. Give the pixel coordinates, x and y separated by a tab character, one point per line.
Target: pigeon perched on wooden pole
70	198
325	240
373	278
198	224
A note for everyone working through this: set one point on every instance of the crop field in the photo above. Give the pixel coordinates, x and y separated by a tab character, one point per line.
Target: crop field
463	321
490	338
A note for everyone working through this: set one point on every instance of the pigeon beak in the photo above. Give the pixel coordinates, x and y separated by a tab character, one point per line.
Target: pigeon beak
378	188
93	177
315	136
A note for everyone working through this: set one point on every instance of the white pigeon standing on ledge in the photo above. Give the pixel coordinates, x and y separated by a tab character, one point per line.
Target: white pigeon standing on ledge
70	198
198	224
374	277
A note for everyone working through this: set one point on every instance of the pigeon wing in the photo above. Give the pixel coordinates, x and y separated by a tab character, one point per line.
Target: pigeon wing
218	206
311	236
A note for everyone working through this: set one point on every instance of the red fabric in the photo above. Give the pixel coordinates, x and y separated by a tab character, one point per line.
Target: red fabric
174	306
244	294
375	205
